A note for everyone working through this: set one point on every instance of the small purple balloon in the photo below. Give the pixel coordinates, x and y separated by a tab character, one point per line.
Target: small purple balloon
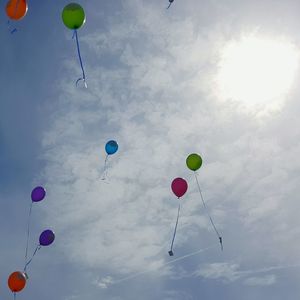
47	237
38	194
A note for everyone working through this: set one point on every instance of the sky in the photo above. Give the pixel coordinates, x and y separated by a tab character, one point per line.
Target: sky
163	84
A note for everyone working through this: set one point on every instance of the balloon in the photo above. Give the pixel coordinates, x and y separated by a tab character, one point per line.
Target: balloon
111	147
73	16
16	281
38	194
194	161
47	237
179	187
16	9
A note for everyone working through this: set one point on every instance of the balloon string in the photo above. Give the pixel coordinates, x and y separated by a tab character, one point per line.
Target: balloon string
38	247
9	28
14	295
12	31
206	210
80	60
171	250
169	5
28	231
105	169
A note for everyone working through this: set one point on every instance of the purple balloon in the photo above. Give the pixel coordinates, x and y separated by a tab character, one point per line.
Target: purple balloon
38	194
47	237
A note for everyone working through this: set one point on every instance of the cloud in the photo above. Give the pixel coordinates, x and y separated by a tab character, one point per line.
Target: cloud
224	271
261	281
232	272
104	282
133	213
151	85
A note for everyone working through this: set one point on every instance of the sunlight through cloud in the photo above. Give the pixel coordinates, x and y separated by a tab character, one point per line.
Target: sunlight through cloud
256	71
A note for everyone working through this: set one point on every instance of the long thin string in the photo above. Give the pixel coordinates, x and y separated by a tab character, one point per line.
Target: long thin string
28	231
207	212
14	295
80	60
169	5
38	247
105	170
9	28
175	230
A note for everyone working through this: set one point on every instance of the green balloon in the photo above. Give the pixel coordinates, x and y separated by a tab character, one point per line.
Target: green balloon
194	161
73	16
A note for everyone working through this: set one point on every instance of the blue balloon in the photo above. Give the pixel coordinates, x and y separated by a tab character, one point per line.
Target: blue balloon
111	147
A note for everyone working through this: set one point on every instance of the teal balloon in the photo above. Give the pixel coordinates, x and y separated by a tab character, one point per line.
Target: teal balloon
111	147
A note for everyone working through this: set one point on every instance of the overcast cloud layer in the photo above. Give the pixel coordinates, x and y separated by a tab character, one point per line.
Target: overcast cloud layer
151	77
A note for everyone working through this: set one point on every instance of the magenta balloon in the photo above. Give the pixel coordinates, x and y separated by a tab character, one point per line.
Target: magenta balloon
179	187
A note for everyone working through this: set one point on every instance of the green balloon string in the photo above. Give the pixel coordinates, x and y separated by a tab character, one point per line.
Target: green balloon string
80	60
207	212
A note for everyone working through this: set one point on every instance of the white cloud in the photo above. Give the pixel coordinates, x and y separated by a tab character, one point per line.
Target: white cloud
261	281
232	272
224	271
104	282
157	102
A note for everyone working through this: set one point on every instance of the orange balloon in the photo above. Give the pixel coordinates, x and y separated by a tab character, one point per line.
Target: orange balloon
16	9
16	281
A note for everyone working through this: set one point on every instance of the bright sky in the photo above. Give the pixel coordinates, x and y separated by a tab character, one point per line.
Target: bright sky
214	77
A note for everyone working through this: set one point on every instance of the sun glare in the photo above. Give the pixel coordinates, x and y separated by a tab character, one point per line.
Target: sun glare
257	72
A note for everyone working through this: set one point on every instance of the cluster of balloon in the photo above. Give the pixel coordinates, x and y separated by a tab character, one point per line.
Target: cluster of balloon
17	280
179	187
16	10
111	148
170	3
194	162
73	17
